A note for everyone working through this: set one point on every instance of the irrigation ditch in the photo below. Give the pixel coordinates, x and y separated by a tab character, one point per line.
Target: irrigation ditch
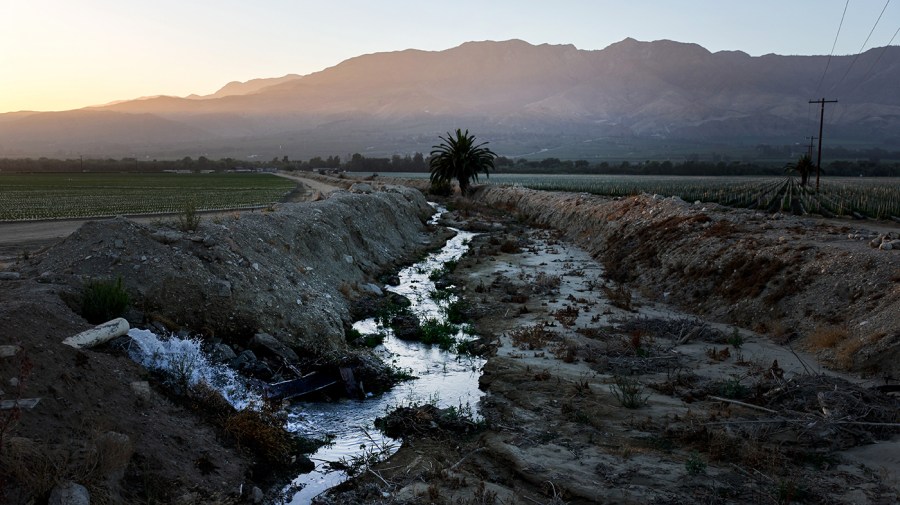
640	350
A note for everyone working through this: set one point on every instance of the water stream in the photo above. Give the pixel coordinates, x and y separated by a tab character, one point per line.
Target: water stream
443	378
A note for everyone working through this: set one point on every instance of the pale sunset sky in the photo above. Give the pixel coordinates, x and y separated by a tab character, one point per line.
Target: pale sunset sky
66	54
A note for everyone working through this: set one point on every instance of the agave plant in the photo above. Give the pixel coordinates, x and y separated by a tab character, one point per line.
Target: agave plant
459	157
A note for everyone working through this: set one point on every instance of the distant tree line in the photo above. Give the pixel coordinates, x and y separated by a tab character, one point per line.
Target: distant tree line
885	166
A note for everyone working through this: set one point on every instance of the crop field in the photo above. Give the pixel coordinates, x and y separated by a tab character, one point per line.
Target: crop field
873	197
877	197
55	196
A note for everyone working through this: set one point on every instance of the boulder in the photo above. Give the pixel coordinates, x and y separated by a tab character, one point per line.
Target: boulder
274	346
221	353
69	493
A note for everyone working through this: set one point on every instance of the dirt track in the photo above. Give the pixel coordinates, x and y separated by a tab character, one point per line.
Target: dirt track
27	237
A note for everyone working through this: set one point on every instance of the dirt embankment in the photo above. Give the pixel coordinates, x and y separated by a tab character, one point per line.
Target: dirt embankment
289	272
597	394
784	276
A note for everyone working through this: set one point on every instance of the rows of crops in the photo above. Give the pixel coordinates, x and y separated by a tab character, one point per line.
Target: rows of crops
54	196
873	197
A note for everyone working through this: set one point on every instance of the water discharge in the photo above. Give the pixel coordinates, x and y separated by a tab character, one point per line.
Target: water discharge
443	378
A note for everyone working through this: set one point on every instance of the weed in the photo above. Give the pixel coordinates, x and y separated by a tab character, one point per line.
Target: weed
735	339
532	337
732	388
439	332
189	218
457	311
620	296
695	464
546	283
104	300
629	392
790	491
372	453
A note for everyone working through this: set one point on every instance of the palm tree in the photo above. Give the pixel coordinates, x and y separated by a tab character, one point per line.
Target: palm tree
804	166
460	158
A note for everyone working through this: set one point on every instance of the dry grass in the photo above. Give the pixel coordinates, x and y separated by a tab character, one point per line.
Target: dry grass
38	467
533	337
826	337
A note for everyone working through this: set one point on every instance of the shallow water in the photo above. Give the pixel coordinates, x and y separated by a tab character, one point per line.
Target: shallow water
444	378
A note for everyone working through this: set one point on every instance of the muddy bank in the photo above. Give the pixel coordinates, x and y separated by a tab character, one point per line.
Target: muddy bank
789	277
105	422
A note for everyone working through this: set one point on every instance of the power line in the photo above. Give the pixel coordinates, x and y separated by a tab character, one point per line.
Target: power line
883	50
827	63
862	47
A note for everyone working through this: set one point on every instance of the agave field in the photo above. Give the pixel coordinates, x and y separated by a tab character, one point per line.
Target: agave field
872	197
55	196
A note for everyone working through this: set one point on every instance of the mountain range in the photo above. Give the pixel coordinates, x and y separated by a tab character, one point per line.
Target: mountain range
525	99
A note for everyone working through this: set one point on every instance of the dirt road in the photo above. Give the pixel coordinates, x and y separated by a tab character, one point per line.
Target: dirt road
26	237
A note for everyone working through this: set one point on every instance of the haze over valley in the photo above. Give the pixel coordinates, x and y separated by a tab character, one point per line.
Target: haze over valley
527	100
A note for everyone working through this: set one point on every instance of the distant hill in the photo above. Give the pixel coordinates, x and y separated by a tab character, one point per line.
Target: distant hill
525	99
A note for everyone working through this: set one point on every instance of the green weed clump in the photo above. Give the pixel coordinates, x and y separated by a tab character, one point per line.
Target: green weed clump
104	300
189	218
439	332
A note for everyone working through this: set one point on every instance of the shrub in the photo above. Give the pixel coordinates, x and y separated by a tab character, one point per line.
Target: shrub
189	219
104	300
440	188
629	392
695	464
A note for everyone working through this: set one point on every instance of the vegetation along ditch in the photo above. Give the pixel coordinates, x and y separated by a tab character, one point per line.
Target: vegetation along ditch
419	333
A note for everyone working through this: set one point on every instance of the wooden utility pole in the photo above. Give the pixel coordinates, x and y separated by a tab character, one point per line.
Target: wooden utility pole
821	122
809	150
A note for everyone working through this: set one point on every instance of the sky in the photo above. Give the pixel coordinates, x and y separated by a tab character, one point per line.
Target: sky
67	54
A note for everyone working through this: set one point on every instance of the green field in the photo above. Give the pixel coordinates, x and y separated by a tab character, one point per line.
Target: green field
877	197
873	197
55	196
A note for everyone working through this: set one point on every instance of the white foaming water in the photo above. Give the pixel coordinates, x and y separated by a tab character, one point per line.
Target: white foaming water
184	361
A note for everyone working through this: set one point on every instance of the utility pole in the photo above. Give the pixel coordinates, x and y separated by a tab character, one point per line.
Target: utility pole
821	122
809	150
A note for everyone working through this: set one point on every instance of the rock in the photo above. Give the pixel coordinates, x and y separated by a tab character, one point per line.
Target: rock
392	280
274	346
406	327
210	241
348	259
166	237
119	243
256	495
221	353
10	276
222	288
69	493
141	389
7	351
244	359
361	187
371	289
886	246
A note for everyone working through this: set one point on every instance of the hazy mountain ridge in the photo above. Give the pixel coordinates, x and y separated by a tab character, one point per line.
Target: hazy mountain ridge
396	101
